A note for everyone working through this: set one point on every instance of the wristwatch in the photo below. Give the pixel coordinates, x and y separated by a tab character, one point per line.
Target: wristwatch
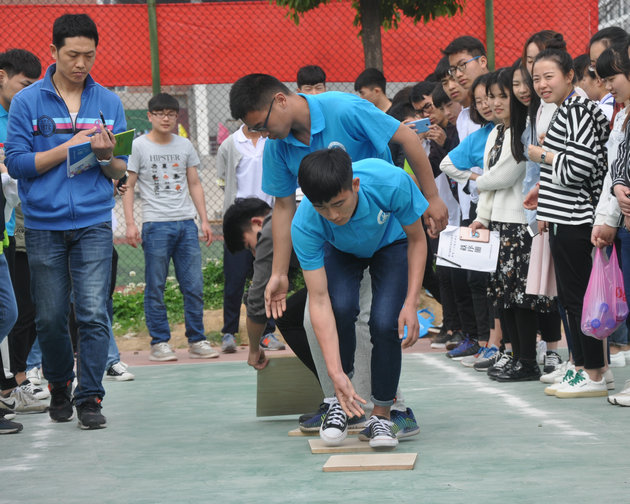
105	162
542	157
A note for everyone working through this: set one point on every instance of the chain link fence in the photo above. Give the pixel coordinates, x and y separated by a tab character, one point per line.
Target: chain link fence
202	47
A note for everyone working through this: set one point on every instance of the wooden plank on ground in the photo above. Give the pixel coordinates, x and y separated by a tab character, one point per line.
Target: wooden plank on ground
298	433
371	462
349	445
286	387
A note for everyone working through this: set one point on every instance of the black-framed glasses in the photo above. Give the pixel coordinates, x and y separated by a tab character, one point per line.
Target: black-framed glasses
264	126
461	67
426	110
161	114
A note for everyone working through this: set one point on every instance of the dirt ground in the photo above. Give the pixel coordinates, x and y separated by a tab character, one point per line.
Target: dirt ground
213	322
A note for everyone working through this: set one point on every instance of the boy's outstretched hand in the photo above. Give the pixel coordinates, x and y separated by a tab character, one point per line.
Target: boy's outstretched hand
346	395
408	317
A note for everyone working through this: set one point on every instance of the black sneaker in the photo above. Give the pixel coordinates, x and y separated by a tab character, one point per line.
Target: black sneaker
454	341
552	360
89	413
311	422
60	409
6	425
503	364
379	432
520	371
334	428
440	339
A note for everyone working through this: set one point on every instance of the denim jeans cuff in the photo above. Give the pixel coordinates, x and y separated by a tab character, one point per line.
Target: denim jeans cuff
382	403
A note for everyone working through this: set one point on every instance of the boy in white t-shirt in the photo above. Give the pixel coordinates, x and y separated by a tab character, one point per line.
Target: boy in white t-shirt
164	166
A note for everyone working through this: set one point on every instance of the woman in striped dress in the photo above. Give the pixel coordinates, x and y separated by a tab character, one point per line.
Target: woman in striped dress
573	166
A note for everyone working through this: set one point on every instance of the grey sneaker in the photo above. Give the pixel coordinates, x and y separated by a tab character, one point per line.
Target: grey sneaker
202	350
118	372
162	352
38	392
228	344
25	402
270	342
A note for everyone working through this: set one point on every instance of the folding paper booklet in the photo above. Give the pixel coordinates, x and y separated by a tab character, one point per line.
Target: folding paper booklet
457	250
81	158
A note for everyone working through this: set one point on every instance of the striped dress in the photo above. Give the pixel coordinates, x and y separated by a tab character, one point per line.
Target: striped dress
571	186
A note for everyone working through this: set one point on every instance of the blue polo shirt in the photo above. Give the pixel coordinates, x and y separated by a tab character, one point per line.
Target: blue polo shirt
4	120
388	200
469	152
337	120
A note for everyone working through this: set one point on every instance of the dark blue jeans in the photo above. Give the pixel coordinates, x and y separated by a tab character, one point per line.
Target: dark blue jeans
8	306
388	269
178	240
77	262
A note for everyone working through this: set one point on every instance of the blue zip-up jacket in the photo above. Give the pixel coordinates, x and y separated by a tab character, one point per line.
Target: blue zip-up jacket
39	120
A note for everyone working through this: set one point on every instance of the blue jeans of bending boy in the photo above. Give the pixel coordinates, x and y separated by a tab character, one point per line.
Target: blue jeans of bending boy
8	305
388	269
178	240
77	262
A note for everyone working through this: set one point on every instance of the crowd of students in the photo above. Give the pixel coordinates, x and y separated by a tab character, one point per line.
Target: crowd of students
536	151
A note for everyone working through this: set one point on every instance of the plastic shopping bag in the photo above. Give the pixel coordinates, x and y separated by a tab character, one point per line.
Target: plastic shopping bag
604	307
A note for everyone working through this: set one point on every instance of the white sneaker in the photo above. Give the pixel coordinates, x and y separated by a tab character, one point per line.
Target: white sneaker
118	372
162	352
582	386
617	360
378	431
38	392
26	402
557	375
34	375
202	350
621	398
568	376
541	351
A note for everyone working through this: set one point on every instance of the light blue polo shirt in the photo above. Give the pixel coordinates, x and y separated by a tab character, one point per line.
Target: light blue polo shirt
4	120
337	120
388	200
470	150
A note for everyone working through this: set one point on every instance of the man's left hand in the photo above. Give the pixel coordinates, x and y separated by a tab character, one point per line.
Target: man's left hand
408	317
103	143
206	230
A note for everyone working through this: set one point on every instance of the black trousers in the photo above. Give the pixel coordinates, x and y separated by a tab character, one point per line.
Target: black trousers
457	305
571	251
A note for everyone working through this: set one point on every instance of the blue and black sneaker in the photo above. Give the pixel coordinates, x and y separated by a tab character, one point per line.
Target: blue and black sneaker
464	349
405	424
311	422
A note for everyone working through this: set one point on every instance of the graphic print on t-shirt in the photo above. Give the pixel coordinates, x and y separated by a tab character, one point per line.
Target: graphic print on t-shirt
166	172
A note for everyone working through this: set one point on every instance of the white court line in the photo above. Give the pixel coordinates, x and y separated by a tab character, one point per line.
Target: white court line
516	403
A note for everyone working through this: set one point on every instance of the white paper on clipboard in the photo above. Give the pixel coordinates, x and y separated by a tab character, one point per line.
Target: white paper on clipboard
471	255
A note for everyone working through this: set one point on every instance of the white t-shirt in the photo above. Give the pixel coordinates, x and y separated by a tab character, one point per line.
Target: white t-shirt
162	178
465	126
249	169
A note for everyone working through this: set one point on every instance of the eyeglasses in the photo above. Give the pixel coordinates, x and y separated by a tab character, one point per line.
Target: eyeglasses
264	126
162	115
426	110
461	67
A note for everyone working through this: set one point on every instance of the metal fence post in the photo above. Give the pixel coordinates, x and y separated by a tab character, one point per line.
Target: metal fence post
155	55
490	33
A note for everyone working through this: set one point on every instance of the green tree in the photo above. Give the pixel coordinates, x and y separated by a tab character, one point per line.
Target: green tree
372	14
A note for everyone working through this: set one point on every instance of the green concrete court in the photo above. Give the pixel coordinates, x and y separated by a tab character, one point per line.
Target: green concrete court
188	433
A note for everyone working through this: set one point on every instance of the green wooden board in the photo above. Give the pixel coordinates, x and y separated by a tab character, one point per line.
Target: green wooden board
286	387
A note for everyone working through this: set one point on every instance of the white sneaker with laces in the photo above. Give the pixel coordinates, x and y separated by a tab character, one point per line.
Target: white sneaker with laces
38	392
553	388
334	428
202	350
34	375
582	386
379	432
557	375
162	352
118	372
25	402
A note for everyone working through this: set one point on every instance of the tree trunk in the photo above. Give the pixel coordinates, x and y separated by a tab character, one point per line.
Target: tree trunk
371	25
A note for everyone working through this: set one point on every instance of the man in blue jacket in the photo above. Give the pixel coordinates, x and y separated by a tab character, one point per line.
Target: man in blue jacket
68	219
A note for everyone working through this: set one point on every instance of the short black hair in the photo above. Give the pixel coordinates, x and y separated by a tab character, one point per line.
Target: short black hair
439	96
402	111
310	75
467	43
19	61
73	25
613	61
402	96
371	77
163	101
561	58
420	90
323	174
254	92
237	220
442	68
581	64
